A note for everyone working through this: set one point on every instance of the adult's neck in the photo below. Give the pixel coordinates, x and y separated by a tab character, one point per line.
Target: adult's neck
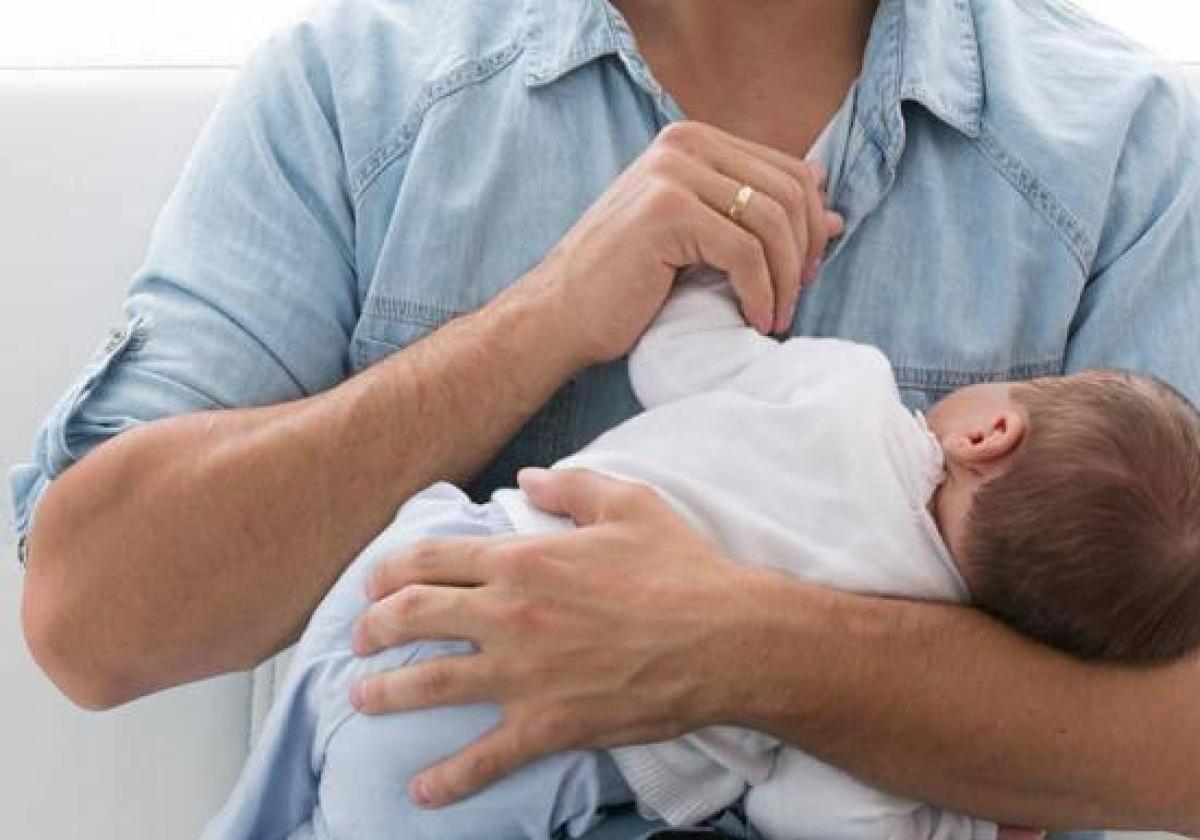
771	70
698	30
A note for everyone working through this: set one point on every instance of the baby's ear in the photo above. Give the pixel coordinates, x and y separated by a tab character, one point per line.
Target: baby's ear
987	447
999	441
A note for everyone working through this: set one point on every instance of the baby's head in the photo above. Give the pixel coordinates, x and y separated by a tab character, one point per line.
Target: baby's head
1072	507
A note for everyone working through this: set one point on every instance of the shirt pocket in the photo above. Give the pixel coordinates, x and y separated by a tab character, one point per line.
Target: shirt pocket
921	387
391	324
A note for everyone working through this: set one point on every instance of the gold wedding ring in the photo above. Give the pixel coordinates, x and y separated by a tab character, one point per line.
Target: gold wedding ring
740	202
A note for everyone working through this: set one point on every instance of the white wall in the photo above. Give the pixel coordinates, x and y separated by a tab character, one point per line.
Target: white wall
86	160
206	32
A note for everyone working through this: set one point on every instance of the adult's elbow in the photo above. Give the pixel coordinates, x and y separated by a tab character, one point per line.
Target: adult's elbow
67	651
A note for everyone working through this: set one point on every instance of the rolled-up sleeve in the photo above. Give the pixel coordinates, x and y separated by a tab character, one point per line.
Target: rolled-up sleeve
1140	308
248	293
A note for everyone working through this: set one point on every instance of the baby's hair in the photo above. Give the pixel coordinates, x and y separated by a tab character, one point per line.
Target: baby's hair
1091	540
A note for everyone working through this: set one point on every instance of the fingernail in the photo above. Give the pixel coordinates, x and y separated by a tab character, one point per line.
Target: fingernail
419	792
357	695
359	641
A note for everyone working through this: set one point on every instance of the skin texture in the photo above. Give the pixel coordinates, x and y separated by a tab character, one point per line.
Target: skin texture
303	486
938	702
627	629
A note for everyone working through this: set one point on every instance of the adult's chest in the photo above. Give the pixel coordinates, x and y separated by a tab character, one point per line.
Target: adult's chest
487	189
948	269
951	270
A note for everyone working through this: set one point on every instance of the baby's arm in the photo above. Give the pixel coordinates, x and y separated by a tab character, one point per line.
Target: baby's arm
698	342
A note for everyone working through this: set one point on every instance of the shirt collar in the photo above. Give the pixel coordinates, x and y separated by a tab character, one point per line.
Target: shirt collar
561	35
925	51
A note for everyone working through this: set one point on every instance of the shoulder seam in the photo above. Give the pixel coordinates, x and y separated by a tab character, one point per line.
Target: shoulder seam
468	72
1038	195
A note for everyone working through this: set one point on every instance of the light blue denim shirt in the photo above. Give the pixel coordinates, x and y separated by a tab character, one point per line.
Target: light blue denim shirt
1021	188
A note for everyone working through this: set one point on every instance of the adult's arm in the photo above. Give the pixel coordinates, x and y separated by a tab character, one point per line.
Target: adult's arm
210	475
205	481
936	702
632	629
944	704
947	706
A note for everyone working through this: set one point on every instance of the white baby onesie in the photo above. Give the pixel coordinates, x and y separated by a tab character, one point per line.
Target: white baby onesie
798	456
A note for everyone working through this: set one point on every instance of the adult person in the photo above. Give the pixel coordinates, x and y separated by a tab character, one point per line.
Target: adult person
384	167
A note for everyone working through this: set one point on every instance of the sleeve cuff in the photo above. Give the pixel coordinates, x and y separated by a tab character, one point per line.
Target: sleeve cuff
27	484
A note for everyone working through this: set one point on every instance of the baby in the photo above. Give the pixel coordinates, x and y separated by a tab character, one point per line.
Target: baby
1067	507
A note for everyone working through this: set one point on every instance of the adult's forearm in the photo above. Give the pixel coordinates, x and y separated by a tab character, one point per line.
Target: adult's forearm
198	544
946	705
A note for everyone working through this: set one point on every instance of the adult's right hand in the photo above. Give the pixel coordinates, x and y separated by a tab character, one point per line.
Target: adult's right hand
613	270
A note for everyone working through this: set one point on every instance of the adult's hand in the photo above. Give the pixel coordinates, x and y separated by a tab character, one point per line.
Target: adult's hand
669	209
594	637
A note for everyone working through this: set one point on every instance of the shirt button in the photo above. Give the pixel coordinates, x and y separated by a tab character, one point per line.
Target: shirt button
115	336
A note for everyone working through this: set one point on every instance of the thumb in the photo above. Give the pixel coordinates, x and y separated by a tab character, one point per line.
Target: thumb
574	493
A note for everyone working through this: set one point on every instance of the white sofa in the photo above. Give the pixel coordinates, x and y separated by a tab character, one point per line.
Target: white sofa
86	159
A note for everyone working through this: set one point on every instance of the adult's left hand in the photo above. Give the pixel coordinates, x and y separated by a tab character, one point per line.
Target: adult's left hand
612	633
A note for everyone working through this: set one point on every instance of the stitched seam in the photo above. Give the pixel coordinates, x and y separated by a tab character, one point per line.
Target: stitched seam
412	311
966	122
894	117
885	140
1037	195
941	109
465	74
948	379
872	96
970	46
575	59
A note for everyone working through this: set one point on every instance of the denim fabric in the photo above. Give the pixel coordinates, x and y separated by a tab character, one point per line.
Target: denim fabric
1020	187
